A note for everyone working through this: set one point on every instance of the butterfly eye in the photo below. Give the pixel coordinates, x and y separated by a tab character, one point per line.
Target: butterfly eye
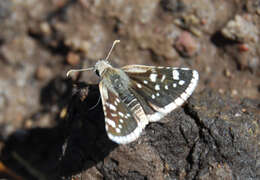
97	72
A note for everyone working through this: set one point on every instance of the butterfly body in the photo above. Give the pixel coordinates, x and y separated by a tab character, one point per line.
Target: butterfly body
115	79
135	95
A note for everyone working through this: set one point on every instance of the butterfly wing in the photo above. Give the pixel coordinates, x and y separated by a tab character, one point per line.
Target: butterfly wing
124	116
160	90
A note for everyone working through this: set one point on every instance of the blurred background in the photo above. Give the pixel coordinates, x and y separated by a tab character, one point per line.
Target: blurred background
41	40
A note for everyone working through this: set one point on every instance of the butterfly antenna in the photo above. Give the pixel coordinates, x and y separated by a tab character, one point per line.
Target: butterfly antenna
79	70
95	104
114	43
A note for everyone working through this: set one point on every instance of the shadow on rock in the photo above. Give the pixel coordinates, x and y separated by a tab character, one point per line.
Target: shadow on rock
77	143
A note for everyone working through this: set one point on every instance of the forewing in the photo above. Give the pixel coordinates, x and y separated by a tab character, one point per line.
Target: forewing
160	90
121	122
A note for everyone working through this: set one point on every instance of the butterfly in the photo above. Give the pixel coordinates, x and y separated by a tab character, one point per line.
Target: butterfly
134	95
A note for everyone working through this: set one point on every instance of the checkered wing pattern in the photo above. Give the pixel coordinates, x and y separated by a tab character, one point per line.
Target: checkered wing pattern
124	116
160	90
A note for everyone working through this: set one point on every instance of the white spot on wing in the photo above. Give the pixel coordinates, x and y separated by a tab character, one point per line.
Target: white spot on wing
174	85
110	122
163	78
157	87
118	130
112	107
166	87
139	85
175	75
181	82
153	77
157	94
121	114
153	96
113	115
145	82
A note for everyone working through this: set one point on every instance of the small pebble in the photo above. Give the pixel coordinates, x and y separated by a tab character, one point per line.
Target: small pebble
241	29
187	45
227	73
234	92
63	113
243	47
221	91
73	59
28	123
43	72
45	28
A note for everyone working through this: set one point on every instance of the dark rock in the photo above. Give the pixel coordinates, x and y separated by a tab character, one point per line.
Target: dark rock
173	5
211	137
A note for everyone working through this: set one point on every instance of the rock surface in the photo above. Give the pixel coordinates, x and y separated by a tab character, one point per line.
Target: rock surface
211	137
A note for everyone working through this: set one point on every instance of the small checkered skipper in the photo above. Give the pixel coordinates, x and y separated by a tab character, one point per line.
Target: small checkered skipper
135	95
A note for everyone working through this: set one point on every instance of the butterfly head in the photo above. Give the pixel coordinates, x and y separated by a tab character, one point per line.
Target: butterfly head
100	66
103	64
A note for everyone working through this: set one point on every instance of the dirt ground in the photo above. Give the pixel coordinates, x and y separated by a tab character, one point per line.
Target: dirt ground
41	40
